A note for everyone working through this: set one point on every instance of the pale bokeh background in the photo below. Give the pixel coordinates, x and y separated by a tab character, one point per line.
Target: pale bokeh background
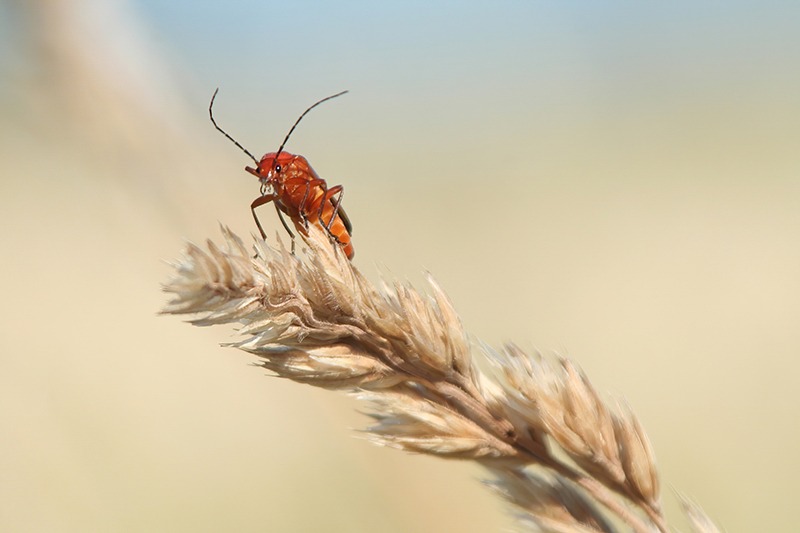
614	182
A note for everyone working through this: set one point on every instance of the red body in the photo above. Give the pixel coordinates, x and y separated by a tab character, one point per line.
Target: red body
291	184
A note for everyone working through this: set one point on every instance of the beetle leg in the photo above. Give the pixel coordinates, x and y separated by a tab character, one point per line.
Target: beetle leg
302	206
285	225
329	194
261	200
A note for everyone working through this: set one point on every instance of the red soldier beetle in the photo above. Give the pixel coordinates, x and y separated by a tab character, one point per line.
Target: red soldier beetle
289	182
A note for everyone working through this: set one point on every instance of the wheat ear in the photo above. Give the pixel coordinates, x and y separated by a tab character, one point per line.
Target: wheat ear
565	459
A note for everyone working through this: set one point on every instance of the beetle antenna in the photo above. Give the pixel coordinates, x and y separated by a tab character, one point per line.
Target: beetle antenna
299	119
234	141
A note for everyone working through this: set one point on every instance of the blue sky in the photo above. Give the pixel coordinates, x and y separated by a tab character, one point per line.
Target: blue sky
496	58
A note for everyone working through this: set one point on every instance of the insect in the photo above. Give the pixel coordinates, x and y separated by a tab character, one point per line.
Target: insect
289	182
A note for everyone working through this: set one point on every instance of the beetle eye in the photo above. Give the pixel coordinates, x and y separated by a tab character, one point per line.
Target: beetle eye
277	168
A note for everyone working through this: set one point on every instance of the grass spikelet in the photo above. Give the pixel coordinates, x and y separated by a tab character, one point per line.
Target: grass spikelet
562	456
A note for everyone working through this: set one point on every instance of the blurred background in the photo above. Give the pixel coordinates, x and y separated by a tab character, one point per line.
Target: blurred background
615	182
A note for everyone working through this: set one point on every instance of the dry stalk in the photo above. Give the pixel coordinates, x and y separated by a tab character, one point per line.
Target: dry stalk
563	457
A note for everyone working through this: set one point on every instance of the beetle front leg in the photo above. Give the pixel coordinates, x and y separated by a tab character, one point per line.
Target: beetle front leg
261	200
